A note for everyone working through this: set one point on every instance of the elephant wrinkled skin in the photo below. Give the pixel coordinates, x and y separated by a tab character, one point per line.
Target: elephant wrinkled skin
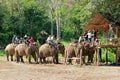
10	50
72	50
47	50
28	51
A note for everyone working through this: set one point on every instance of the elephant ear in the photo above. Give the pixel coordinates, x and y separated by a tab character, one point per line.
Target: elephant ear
60	46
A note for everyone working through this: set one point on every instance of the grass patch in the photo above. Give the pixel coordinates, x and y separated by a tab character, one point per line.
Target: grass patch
2	61
2	52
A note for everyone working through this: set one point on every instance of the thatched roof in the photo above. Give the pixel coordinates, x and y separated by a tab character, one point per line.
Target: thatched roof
99	22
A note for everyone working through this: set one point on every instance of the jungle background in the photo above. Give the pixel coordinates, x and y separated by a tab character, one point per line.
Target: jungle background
40	18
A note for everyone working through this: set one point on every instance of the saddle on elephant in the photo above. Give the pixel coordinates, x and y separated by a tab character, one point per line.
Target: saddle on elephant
52	45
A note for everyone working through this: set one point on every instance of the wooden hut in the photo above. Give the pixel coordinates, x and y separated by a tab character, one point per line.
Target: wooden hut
99	23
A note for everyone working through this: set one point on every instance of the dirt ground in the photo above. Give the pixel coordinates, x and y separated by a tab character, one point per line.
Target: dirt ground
25	71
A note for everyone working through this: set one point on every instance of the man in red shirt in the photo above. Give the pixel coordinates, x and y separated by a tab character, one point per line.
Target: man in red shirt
31	40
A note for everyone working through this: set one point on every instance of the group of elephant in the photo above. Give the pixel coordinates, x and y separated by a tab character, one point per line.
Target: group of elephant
39	54
80	51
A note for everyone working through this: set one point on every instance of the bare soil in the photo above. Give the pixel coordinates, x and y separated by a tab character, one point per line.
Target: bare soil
25	71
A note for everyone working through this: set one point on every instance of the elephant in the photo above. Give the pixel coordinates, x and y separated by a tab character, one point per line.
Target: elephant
10	50
47	50
72	50
79	50
28	51
88	50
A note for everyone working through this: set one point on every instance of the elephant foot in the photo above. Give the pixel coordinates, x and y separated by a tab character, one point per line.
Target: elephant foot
36	62
30	62
57	63
11	59
22	61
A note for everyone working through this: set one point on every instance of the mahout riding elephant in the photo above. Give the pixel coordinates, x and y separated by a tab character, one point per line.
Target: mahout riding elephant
47	50
10	50
28	51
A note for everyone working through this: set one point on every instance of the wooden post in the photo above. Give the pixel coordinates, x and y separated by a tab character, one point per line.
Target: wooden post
98	57
95	56
117	56
106	55
117	32
107	37
80	57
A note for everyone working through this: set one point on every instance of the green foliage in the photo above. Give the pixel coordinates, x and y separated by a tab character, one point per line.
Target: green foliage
111	55
2	52
31	17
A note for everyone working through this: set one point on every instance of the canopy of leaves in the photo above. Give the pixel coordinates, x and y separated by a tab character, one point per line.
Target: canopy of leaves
32	17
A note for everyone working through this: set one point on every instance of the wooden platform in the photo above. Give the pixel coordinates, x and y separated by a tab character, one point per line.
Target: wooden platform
116	46
109	46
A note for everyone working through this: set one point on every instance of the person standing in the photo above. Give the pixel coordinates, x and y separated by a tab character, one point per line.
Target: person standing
89	35
94	34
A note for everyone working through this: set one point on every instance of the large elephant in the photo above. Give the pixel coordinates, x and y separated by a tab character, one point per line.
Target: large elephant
72	50
10	50
88	50
47	50
28	51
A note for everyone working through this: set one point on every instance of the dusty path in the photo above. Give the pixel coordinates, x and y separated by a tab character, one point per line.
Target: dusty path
24	71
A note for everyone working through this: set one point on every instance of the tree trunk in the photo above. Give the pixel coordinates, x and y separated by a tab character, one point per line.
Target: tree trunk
12	7
58	18
51	16
3	1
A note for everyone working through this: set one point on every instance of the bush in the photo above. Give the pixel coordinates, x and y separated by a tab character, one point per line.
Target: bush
111	55
2	52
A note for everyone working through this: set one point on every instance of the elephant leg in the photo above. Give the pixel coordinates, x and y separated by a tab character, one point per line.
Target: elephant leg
7	57
83	59
56	58
89	58
65	60
40	60
92	58
29	58
44	59
21	57
11	57
35	58
17	58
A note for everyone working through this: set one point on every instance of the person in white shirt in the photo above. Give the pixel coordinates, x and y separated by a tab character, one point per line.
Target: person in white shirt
50	40
89	36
